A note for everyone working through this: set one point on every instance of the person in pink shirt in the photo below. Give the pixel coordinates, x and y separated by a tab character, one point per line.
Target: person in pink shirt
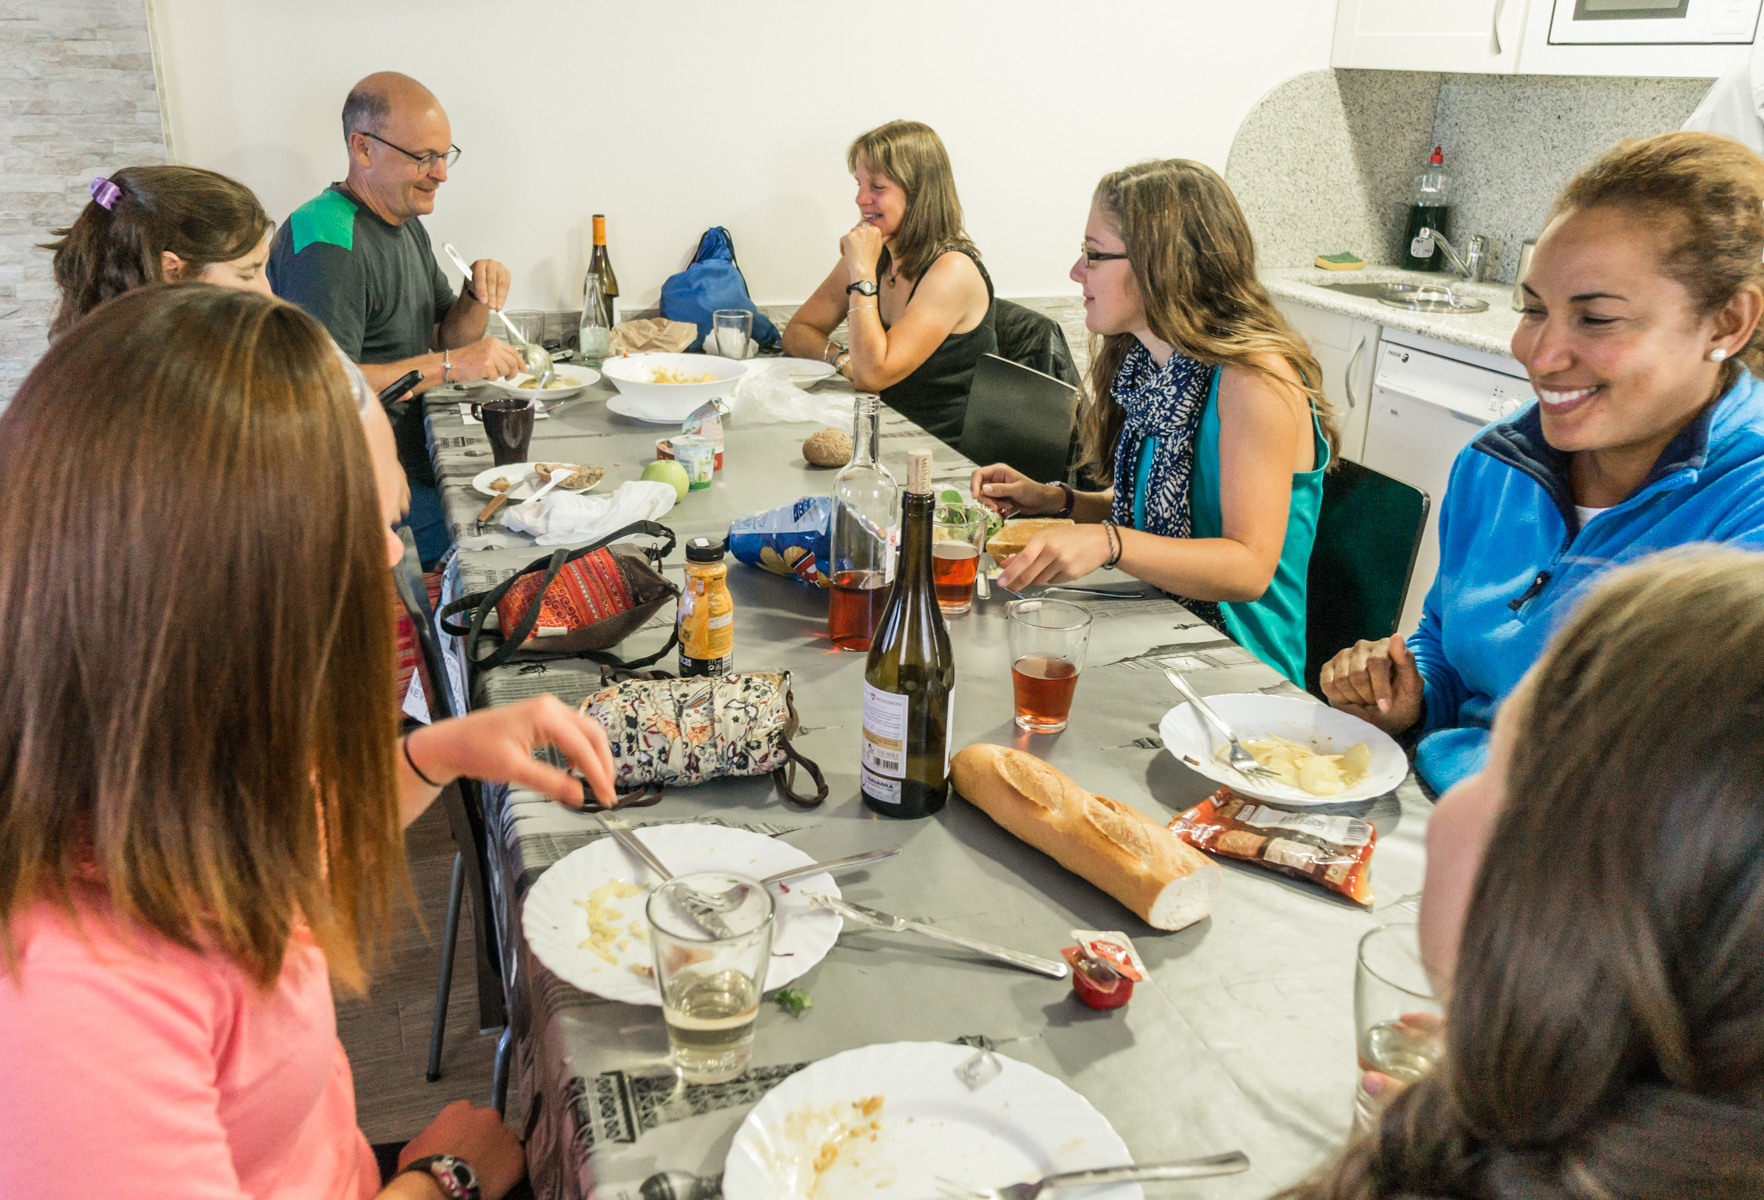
202	792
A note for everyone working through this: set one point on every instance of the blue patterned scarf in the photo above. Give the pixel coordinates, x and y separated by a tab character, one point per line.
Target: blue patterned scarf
1165	403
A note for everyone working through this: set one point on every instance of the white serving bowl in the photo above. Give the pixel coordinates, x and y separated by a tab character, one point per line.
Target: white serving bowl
630	373
1254	715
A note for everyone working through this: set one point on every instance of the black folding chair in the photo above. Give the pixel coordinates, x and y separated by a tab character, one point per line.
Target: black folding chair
1019	416
1369	529
470	867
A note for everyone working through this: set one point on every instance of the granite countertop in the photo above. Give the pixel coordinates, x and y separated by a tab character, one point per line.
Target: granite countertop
1490	331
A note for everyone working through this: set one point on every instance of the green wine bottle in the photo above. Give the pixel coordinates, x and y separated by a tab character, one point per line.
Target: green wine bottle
909	679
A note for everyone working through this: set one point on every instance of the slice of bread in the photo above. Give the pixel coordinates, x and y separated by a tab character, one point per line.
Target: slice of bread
1008	542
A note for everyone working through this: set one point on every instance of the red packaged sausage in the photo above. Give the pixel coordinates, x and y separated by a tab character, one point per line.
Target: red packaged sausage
1332	851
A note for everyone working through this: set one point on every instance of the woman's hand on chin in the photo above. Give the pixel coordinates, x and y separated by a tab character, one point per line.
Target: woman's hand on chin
862	250
1056	555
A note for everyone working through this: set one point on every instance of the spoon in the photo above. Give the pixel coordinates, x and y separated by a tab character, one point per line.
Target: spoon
557	477
537	359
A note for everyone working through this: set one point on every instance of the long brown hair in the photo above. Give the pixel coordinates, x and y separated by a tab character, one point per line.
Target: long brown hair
197	725
1606	1027
912	155
1195	263
201	216
1705	194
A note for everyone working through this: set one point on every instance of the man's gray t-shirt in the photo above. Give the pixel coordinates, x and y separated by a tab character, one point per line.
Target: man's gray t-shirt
376	287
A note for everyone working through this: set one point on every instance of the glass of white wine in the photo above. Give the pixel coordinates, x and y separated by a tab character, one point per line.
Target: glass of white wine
711	982
1400	1026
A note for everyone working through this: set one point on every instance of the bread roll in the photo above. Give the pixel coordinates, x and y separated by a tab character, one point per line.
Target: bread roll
1009	541
1113	845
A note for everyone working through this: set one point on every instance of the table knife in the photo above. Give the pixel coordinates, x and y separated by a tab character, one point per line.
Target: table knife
849	863
495	503
893	924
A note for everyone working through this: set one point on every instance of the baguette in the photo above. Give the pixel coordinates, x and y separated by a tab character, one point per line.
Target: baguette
1008	542
1113	845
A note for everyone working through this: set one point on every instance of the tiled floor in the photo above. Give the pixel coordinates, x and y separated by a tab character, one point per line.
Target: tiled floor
387	1032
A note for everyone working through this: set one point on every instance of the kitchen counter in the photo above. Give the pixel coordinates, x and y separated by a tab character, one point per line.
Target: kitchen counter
1490	331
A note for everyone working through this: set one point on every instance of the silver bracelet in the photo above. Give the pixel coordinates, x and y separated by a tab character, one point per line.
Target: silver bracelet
829	348
446	365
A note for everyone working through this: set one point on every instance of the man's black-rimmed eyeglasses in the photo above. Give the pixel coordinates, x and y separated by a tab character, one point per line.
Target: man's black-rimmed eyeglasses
1092	257
425	161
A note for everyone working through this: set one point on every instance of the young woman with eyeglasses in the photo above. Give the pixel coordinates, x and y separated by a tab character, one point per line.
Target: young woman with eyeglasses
1204	413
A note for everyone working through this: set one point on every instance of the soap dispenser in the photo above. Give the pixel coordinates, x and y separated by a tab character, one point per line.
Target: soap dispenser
1430	207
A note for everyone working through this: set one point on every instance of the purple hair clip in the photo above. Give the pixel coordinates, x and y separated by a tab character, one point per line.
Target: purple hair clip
105	192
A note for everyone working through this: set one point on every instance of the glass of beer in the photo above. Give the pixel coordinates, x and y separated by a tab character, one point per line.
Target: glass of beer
958	534
1047	639
1400	1026
711	932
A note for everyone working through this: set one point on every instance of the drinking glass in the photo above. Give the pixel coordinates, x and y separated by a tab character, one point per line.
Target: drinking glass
732	333
958	533
1400	1026
508	423
710	984
1047	639
530	321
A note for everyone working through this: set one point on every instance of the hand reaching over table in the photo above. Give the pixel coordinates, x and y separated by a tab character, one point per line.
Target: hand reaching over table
498	744
486	358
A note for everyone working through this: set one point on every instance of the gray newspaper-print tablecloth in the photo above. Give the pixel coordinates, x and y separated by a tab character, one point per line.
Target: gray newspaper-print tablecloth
1241	1037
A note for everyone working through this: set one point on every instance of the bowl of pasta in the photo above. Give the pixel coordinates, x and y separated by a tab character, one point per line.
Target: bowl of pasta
667	387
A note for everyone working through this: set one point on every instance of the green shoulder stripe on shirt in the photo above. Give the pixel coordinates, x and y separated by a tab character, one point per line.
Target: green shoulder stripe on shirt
328	217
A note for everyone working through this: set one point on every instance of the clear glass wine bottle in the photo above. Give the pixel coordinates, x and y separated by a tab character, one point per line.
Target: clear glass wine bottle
865	533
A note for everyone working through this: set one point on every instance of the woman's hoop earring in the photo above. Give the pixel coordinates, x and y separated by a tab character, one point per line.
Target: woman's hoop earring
1717	355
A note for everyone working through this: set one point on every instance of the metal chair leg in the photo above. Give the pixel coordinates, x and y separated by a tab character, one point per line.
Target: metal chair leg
444	987
499	1077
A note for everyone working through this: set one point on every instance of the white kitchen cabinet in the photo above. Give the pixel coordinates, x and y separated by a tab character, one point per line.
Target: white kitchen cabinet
1345	349
1472	36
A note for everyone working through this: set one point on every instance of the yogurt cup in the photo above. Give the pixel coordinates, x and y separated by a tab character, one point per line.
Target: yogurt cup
699	456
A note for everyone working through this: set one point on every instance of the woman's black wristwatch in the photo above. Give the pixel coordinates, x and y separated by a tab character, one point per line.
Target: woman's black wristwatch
864	287
454	1176
1071	497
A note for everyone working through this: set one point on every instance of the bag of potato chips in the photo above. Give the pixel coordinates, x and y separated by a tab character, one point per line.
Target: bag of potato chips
791	539
1333	851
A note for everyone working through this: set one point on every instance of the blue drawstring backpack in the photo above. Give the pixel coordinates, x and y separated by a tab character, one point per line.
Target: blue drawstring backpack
713	281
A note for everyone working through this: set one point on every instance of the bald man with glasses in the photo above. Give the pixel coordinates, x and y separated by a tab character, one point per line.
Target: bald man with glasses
358	258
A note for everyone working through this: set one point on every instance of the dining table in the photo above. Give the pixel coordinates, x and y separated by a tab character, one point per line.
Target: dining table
1241	1037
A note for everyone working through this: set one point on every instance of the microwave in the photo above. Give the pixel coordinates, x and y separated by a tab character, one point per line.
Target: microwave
1653	22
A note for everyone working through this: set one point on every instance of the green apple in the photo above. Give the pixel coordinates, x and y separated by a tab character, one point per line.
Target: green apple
666	470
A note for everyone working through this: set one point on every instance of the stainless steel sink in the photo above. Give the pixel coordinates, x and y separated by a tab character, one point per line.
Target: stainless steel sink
1413	297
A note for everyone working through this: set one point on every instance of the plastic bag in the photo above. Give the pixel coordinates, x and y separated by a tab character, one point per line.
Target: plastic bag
792	539
1331	851
713	280
562	518
765	395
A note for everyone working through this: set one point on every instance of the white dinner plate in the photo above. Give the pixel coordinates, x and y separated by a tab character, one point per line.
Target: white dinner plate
803	372
1021	1124
526	481
575	379
625	408
556	926
1253	715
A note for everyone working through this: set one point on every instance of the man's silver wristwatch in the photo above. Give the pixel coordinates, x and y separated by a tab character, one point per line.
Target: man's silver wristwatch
454	1176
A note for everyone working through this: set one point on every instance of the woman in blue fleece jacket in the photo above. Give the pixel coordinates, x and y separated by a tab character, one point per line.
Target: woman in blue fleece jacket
1641	335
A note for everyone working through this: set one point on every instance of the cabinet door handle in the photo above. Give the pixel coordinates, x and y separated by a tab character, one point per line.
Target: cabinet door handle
1495	25
1347	376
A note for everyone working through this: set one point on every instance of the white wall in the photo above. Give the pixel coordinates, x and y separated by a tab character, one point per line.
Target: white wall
673	117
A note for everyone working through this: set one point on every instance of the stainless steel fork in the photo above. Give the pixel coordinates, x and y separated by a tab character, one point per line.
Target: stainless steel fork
1188	1168
1241	760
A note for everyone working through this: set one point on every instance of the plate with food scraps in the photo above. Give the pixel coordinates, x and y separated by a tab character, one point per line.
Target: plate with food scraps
803	372
584	918
886	1120
569	381
1314	733
522	480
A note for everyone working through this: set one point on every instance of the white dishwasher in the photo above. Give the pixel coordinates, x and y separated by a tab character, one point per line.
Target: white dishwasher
1429	400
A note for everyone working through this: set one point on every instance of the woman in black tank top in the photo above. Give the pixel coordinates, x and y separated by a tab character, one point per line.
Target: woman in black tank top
909	283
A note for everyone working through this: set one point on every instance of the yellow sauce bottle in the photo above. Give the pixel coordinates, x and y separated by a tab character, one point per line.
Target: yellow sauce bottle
707	611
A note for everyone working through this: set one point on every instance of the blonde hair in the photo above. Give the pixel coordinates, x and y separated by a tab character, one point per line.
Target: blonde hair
1195	263
198	723
1707	193
912	155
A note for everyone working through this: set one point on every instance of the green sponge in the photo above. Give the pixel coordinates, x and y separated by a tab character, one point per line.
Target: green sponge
1340	262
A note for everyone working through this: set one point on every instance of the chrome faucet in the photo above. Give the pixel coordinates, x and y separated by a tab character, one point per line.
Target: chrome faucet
1477	247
